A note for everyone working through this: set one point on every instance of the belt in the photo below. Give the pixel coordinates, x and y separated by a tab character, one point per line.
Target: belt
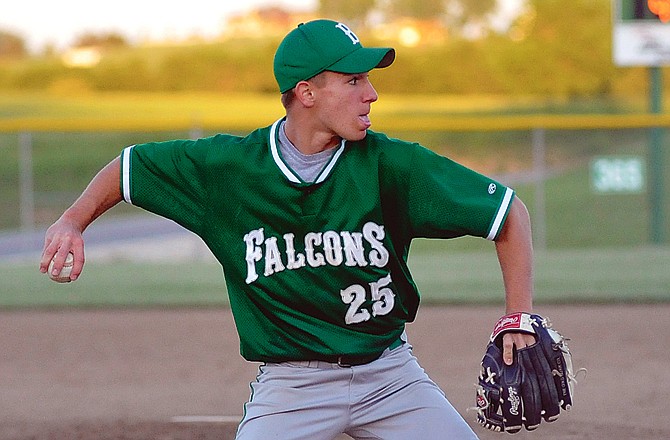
353	360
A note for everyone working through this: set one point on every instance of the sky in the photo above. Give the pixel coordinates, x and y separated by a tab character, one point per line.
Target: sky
60	22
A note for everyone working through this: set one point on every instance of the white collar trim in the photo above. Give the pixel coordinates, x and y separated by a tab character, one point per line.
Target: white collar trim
290	175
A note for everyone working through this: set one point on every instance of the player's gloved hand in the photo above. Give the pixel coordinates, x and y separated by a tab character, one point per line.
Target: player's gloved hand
537	385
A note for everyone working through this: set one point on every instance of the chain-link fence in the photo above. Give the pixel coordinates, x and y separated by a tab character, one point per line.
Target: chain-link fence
588	182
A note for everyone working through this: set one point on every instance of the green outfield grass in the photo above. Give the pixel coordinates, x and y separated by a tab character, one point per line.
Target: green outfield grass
637	274
443	270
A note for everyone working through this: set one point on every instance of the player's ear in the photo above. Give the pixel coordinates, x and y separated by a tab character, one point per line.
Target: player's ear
304	92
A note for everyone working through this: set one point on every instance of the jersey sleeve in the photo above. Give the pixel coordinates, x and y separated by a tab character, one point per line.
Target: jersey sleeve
166	178
448	200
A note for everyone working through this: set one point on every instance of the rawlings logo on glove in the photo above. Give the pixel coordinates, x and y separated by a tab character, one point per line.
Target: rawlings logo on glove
539	383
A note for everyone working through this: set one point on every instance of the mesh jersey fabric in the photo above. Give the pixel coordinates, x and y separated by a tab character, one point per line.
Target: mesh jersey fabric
319	269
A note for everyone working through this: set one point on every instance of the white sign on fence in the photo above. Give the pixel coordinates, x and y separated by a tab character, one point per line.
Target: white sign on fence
618	174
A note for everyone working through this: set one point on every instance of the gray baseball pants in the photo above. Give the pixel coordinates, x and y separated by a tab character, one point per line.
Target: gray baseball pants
391	398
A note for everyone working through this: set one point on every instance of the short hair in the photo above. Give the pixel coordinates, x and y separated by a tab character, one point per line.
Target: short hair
288	97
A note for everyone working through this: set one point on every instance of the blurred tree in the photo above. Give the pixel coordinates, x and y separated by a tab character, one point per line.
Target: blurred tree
461	17
469	17
476	9
549	50
352	11
49	50
108	40
422	9
12	46
571	46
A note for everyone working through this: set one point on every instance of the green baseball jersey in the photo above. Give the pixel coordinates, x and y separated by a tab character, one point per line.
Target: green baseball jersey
313	269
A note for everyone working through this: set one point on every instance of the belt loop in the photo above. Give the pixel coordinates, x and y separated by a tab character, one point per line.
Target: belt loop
342	364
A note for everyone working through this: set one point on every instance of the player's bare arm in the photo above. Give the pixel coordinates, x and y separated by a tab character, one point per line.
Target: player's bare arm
515	254
65	235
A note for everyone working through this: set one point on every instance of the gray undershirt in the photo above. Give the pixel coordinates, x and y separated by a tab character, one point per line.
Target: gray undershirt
307	166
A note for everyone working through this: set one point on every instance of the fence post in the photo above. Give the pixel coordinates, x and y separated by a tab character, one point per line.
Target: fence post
656	157
26	184
539	176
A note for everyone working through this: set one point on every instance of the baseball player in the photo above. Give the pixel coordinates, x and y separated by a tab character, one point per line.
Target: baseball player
312	218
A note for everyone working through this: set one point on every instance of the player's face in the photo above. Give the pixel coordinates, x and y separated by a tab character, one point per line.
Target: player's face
343	104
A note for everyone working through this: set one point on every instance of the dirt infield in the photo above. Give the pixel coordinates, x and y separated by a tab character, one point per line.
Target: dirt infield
153	374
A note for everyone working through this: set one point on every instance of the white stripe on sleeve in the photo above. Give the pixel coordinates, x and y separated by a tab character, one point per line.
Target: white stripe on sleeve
502	210
125	173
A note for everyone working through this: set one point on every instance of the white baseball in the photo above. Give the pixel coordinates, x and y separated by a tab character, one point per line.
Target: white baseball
64	275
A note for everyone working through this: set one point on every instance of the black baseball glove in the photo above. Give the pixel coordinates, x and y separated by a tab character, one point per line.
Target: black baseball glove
538	384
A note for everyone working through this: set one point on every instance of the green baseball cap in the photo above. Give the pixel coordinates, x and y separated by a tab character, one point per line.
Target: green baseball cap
321	45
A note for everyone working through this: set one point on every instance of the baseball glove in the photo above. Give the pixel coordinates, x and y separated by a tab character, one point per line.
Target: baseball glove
539	383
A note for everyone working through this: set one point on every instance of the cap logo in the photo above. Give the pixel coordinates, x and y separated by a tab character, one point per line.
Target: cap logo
348	32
